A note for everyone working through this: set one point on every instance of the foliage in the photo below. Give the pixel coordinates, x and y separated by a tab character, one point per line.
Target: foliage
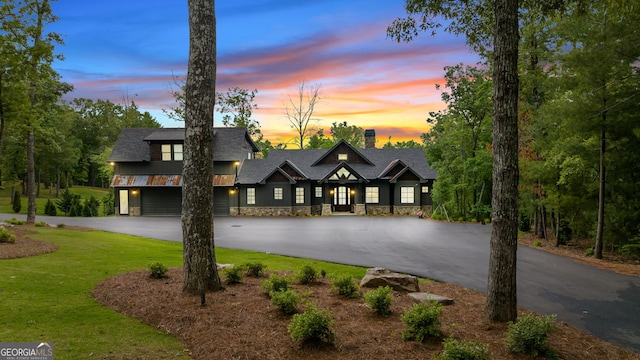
17	202
254	268
312	325
380	299
92	205
307	274
14	221
60	226
537	243
463	350
344	285
68	203
6	236
529	334
108	203
40	224
50	208
275	282
286	300
422	320
352	134
157	270
233	274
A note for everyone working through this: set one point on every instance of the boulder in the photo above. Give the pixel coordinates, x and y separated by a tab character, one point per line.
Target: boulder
382	277
421	297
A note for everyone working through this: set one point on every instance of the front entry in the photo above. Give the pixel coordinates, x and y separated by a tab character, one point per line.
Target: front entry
342	198
124	202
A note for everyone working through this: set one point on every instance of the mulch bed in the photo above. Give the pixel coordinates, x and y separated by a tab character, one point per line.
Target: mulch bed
241	323
24	246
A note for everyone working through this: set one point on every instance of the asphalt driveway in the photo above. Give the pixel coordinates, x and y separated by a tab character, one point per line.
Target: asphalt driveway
597	301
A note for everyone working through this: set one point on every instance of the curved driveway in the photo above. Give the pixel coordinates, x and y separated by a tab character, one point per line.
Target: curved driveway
597	301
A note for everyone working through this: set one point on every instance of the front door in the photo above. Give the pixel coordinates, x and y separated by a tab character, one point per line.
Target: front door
341	199
124	202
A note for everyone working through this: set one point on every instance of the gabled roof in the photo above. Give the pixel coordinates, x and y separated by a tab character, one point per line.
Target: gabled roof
229	143
333	151
255	170
295	168
402	172
342	177
280	171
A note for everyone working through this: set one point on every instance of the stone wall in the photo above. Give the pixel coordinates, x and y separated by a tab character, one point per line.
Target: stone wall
316	209
301	210
263	211
326	209
406	210
378	210
359	209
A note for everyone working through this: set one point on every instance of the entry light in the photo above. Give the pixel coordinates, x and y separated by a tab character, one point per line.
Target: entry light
134	192
112	163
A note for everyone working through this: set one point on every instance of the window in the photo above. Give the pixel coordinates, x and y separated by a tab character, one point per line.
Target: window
277	193
343	157
177	152
166	152
299	195
171	152
425	189
406	195
371	195
251	196
318	191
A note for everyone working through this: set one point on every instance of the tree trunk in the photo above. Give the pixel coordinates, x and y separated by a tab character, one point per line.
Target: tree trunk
200	271
601	200
501	302
31	177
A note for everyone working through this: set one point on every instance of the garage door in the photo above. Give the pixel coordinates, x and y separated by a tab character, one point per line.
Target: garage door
161	201
221	201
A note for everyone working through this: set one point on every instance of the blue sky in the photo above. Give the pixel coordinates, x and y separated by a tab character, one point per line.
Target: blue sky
116	49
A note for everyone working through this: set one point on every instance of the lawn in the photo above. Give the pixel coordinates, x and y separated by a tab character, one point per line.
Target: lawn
84	191
48	297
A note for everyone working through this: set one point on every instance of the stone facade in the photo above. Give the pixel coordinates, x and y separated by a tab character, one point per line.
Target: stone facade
359	209
378	209
406	210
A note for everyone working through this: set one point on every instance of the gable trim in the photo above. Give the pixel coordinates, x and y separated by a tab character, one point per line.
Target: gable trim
282	172
342	142
343	165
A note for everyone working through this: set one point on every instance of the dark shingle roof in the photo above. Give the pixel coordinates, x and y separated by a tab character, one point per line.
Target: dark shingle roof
253	171
132	144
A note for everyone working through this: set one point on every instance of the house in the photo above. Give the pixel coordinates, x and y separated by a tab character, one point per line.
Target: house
343	179
147	166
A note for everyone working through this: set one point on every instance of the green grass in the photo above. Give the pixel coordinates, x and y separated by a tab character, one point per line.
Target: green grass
84	191
48	297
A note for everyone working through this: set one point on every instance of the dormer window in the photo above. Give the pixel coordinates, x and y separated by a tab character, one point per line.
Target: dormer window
343	157
171	152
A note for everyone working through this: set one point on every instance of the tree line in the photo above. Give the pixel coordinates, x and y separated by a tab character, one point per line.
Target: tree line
579	126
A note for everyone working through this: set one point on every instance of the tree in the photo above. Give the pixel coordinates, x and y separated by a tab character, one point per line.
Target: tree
352	134
501	302
471	19
299	110
236	107
200	269
319	141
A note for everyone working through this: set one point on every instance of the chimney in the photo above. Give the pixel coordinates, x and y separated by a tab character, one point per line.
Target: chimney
370	139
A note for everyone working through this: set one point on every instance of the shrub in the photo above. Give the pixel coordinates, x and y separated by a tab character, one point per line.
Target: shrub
275	282
255	268
287	300
68	203
307	275
108	203
422	320
463	350
537	243
380	299
233	274
61	225
14	221
50	208
529	334
40	224
323	273
157	270
345	286
91	206
312	325
631	251
6	236
17	203
589	252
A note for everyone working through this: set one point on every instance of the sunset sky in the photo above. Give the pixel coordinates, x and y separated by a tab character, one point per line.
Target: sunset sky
114	49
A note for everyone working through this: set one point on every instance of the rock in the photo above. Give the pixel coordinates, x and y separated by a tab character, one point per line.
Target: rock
421	297
224	266
382	277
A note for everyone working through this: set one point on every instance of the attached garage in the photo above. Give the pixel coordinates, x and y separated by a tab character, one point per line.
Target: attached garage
220	201
161	201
